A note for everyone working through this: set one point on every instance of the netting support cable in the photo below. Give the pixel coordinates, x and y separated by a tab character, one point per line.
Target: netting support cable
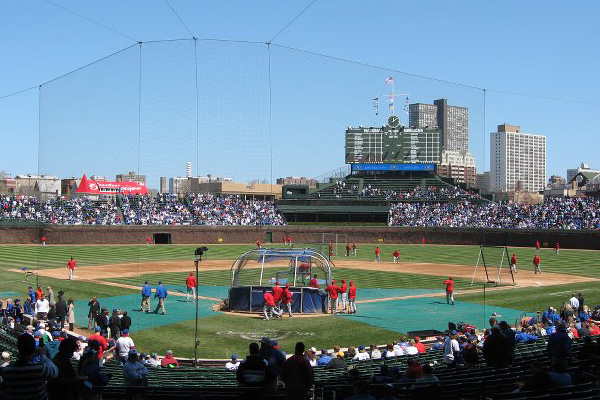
197	109
270	120
139	111
180	20
39	130
90	20
484	131
291	21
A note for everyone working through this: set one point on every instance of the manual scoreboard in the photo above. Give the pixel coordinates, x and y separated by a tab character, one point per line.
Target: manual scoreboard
393	145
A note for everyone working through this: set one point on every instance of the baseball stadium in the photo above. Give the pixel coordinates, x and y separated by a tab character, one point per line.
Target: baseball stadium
399	275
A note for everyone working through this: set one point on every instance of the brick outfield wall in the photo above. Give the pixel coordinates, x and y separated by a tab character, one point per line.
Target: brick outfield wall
303	234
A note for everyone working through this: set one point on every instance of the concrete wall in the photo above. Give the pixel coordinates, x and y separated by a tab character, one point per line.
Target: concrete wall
303	234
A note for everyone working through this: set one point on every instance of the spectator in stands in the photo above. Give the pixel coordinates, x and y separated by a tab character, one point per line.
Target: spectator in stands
153	361
135	376
510	338
102	321
114	324
324	358
451	350
254	370
233	364
89	366
411	349
93	313
67	385
102	344
559	375
559	344
39	293
61	312
337	361
25	379
52	346
297	374
42	307
428	379
375	353
275	360
439	344
4	360
539	380
168	361
50	295
384	375
362	355
123	346
496	349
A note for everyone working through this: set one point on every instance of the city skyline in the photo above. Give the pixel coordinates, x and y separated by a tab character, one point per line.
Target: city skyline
324	77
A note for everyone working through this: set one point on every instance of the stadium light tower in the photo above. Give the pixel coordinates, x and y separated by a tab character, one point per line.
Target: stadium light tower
198	257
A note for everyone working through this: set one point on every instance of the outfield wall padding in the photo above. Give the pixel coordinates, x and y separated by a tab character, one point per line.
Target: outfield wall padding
61	234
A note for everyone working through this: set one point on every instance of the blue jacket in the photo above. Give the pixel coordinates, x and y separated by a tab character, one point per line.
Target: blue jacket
161	292
525	338
32	295
146	291
324	360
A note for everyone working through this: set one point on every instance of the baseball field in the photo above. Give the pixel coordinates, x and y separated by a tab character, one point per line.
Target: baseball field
392	298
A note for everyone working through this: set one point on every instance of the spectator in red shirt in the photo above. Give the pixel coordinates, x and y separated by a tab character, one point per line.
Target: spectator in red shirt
352	298
277	291
396	255
536	265
101	341
297	374
449	290
169	361
190	283
333	291
269	306
314	283
39	293
420	346
344	292
286	299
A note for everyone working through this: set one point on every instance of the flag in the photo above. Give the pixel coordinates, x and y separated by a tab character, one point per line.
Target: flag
376	105
389	80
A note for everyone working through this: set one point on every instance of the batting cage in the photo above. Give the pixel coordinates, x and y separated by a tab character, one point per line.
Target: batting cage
259	269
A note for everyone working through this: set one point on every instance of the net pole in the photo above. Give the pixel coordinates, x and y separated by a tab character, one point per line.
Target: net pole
500	269
476	265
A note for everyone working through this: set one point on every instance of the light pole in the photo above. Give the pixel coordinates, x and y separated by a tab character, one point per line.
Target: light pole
198	255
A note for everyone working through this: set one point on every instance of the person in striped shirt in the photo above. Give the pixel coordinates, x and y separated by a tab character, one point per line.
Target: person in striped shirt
25	379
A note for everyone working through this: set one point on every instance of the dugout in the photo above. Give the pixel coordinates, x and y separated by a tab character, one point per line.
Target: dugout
259	269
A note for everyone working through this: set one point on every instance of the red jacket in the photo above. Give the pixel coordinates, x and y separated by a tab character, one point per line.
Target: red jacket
352	292
536	260
167	360
286	296
396	253
377	250
269	299
190	282
277	290
333	291
513	260
449	285
314	284
344	288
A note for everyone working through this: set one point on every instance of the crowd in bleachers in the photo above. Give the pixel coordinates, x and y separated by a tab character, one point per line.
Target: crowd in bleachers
208	209
162	209
551	352
554	213
59	210
426	193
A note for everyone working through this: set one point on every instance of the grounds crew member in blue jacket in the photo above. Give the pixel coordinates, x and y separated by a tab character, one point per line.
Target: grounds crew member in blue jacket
146	293
161	294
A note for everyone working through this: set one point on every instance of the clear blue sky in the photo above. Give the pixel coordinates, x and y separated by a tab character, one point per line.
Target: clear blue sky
89	120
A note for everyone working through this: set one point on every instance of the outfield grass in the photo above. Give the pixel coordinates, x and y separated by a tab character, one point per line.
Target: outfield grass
223	335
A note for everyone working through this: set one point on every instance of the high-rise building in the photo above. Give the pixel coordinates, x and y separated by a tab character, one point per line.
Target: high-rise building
452	120
131	177
460	166
163	187
517	160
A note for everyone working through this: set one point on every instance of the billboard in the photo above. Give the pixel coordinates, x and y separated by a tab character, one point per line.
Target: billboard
392	167
88	186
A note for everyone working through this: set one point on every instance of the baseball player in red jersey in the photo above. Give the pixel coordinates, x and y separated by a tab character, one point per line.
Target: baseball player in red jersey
422	241
269	306
148	241
344	292
348	249
377	254
286	299
537	246
314	283
536	265
354	249
289	241
190	283
449	290
277	295
71	267
44	240
333	291
513	263
557	248
258	244
352	298
396	255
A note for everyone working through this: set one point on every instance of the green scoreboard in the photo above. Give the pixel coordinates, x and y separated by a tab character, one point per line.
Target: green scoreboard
399	145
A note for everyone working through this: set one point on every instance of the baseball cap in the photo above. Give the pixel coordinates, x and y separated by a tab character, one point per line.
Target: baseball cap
361	347
324	351
265	339
287	284
274	343
55	334
234	356
133	352
313	350
277	283
37	334
152	355
417	338
5	355
454	333
125	331
97	329
191	273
